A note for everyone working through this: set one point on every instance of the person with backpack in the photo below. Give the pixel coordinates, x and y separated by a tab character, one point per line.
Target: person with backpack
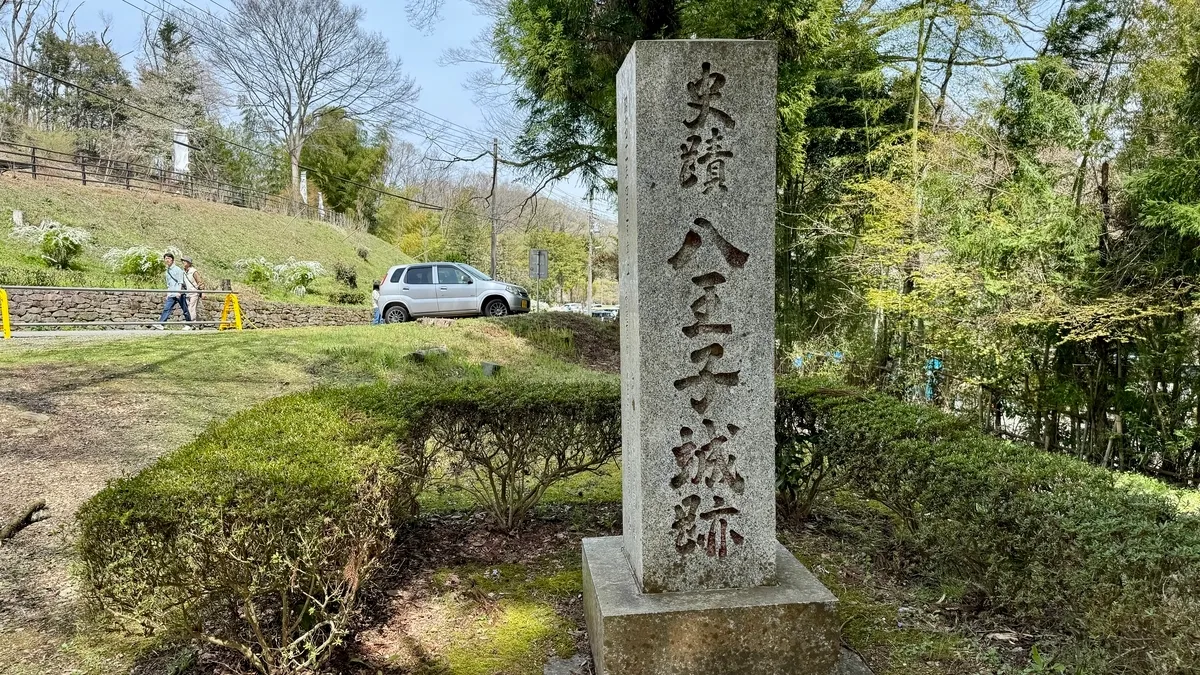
193	282
176	280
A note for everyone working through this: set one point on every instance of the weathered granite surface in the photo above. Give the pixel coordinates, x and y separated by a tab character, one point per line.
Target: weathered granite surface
696	172
790	628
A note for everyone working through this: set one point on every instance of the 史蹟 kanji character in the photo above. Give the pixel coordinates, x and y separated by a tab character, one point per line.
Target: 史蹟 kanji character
704	92
689	153
711	157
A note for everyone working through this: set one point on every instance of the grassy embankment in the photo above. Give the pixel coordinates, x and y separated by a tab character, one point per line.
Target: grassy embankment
214	235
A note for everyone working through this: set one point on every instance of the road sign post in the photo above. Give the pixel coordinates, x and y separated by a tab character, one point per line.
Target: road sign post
539	268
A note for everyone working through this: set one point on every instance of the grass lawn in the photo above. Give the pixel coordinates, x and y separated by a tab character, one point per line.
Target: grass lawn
215	235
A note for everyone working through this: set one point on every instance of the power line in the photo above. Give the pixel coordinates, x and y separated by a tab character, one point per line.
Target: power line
471	133
456	131
177	123
466	136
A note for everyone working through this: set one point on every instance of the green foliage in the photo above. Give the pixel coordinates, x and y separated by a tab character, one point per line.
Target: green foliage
348	298
59	244
293	275
1039	109
345	274
1042	537
255	271
508	440
297	274
136	261
256	537
12	276
341	154
85	60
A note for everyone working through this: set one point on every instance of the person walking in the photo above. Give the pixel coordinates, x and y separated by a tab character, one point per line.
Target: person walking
176	278
192	281
376	318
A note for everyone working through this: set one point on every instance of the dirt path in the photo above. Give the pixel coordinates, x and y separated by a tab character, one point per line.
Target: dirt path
64	432
61	441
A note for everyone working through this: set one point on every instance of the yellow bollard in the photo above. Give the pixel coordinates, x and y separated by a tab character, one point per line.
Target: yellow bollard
231	306
5	324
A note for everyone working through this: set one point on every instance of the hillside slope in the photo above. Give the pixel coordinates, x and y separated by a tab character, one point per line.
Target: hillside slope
214	235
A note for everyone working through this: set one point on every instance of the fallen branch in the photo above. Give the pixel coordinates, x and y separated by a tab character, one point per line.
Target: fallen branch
25	519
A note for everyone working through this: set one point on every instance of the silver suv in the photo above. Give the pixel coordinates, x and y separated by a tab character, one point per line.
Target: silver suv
446	289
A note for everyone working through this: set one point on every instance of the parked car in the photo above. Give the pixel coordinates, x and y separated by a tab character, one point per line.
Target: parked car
576	307
605	313
446	289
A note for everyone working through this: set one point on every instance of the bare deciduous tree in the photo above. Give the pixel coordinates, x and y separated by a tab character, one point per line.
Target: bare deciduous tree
289	60
20	22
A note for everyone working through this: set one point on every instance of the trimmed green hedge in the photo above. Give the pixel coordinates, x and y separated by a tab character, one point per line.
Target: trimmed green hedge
257	536
505	440
1042	537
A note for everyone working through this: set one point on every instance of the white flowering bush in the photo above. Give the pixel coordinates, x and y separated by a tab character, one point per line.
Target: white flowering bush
59	244
255	270
136	261
298	274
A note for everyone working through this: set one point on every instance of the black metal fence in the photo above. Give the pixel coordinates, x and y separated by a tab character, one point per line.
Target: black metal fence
49	164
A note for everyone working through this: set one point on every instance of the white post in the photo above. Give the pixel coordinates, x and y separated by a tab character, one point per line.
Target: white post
179	152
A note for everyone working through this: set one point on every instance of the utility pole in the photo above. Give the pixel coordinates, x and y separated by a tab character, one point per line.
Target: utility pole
591	233
495	165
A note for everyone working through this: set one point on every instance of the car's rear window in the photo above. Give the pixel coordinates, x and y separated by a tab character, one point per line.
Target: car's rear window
419	275
397	274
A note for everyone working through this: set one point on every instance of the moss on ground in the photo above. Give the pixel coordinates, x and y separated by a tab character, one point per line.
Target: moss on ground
489	620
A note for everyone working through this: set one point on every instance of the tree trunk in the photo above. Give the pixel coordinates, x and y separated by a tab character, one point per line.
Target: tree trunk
294	148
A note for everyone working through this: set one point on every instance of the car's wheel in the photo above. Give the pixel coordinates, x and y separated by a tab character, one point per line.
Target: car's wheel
395	314
496	307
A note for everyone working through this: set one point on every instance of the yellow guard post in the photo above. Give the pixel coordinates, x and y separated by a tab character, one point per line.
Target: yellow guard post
231	306
5	324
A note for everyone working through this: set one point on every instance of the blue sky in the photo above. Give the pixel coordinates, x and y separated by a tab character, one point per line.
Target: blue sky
442	91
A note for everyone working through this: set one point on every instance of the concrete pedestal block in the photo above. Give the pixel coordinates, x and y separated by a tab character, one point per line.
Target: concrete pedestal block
791	627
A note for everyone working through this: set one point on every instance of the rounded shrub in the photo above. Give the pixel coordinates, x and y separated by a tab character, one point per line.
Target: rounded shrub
256	537
255	270
136	261
504	440
59	244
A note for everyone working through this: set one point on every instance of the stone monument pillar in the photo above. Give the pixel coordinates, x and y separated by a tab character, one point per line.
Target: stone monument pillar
697	583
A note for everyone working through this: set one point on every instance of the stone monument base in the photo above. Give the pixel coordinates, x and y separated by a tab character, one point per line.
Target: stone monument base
788	628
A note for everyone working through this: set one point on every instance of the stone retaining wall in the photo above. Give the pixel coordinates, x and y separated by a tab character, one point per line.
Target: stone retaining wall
85	306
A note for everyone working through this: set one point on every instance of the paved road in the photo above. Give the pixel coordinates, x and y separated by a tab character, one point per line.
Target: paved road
35	338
